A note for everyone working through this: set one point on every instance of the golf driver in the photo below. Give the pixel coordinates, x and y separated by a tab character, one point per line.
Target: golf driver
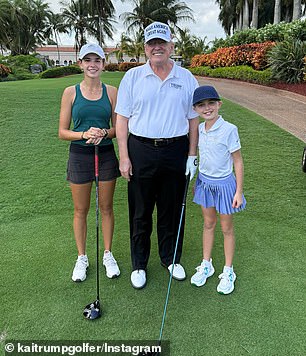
93	310
171	272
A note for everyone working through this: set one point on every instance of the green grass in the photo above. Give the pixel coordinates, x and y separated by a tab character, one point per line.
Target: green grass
264	316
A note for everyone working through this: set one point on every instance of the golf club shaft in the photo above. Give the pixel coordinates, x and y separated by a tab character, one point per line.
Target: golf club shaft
97	215
174	257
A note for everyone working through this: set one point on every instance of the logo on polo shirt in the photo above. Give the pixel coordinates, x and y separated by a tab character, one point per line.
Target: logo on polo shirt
176	86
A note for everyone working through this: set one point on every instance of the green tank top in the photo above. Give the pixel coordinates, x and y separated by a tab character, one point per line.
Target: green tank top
91	113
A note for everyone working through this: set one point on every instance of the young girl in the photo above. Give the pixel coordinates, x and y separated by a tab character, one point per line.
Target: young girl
217	189
90	106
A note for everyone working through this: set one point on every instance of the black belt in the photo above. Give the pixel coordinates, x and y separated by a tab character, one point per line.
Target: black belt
157	142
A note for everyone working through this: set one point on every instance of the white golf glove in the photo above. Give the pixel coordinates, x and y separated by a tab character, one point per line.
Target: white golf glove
191	166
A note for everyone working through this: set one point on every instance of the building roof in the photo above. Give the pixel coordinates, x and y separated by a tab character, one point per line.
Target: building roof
53	48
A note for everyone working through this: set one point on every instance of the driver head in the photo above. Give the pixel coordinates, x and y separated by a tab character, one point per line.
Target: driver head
92	311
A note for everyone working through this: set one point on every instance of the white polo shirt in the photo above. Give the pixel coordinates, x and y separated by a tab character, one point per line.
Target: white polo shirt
156	108
216	146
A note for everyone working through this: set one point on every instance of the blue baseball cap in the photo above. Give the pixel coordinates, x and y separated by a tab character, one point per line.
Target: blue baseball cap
205	92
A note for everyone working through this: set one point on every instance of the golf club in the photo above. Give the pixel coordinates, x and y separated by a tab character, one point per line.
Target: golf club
93	310
171	272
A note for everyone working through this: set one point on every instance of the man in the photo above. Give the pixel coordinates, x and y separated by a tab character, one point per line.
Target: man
154	106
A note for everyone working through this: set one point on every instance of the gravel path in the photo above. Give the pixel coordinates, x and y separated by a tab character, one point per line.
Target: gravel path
285	109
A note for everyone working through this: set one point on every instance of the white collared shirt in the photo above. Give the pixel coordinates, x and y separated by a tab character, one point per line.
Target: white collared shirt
216	147
156	108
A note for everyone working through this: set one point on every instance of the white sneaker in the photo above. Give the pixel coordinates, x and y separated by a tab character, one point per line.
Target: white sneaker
138	278
205	270
178	272
227	279
80	268
110	264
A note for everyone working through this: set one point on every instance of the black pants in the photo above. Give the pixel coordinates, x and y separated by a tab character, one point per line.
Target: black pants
158	179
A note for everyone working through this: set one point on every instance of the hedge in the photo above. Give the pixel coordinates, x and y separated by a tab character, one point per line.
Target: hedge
244	73
60	72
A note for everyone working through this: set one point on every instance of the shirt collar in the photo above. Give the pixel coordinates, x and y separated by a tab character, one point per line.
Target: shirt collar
173	73
216	125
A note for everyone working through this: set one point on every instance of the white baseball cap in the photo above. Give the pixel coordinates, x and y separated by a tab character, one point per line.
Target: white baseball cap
157	30
91	48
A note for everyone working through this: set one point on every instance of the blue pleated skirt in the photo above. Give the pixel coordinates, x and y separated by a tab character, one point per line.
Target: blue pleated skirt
217	193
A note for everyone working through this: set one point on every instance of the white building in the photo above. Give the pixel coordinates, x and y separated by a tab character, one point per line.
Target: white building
66	55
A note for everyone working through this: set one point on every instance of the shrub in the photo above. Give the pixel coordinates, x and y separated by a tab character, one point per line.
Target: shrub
125	66
4	71
286	61
254	54
295	30
21	62
245	73
112	67
60	72
21	74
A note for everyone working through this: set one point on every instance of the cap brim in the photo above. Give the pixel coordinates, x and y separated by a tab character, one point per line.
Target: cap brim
92	52
157	37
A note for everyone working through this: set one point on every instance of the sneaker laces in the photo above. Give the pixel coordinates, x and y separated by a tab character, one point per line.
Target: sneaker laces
227	277
202	269
81	264
109	260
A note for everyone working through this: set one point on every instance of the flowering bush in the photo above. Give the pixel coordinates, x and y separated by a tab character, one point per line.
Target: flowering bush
125	66
111	67
253	54
4	71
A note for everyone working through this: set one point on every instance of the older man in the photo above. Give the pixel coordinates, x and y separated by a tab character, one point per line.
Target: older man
157	138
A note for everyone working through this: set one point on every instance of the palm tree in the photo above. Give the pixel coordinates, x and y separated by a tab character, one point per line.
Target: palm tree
23	24
184	44
245	11
277	11
255	14
56	26
4	23
187	45
103	13
133	46
297	9
228	15
174	12
121	47
77	19
147	11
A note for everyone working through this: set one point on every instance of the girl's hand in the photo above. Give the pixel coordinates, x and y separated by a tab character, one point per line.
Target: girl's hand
94	135
94	141
237	201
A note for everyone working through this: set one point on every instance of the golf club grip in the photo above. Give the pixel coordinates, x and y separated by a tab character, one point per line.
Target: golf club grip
96	161
186	188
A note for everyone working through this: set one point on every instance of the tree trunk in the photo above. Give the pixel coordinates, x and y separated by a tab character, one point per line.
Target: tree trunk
239	27
255	14
245	22
277	11
297	9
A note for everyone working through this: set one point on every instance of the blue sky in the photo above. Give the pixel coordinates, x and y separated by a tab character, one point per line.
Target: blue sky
205	13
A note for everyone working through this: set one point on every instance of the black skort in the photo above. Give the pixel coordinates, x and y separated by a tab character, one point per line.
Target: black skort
81	164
